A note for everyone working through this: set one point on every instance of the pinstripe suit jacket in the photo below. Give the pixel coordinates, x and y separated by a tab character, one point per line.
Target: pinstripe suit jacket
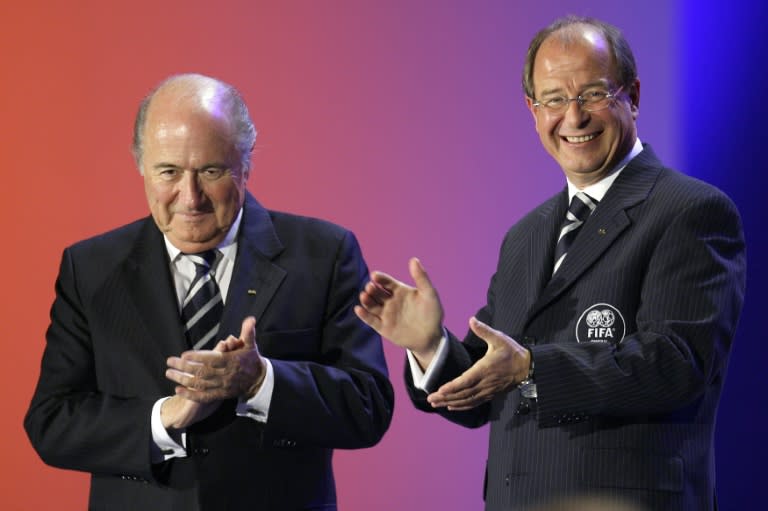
660	267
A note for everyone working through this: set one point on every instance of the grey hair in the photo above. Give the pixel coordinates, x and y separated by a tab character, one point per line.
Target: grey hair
620	50
236	111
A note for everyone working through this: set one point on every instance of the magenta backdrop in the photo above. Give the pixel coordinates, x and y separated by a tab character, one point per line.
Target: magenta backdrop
403	121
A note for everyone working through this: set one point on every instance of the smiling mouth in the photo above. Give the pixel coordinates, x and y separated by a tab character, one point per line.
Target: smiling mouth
581	139
192	215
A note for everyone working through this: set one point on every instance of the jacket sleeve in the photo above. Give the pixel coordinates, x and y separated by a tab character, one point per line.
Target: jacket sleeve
341	397
70	422
461	355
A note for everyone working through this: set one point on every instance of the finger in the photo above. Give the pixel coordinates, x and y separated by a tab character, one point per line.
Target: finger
445	398
224	345
378	293
419	275
380	289
490	335
367	317
370	300
231	343
248	332
196	361
383	281
461	401
462	384
185	379
468	406
176	363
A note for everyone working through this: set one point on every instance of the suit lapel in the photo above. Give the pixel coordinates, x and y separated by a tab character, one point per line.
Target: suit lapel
542	244
255	277
151	291
602	228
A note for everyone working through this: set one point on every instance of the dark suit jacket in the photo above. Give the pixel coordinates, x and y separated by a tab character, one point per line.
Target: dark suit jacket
114	322
664	255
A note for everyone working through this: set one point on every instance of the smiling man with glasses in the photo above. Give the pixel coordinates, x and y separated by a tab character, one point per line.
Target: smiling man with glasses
600	355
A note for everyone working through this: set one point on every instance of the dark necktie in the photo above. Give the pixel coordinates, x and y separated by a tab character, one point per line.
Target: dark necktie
202	307
581	207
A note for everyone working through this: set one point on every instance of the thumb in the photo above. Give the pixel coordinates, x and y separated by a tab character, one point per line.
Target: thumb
491	336
248	332
419	275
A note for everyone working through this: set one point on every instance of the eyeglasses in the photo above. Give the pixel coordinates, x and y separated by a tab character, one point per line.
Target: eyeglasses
589	101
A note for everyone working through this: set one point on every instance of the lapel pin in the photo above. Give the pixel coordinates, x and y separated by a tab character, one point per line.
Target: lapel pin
252	292
601	231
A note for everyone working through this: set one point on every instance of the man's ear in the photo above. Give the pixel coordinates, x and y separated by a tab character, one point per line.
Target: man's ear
532	109
634	98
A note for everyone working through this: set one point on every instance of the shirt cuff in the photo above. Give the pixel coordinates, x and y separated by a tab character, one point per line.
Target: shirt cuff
257	408
424	380
164	447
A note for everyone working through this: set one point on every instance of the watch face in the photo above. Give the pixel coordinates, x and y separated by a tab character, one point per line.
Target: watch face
528	389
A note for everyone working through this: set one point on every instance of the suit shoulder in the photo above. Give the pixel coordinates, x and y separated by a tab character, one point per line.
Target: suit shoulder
96	257
535	216
92	260
110	242
321	240
675	188
293	225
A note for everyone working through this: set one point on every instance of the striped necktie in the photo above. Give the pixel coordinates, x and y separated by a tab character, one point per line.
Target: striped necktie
202	308
581	207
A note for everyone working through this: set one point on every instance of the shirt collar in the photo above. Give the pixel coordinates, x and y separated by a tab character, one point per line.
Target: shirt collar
598	190
227	246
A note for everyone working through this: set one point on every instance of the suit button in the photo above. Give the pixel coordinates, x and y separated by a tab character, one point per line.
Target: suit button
507	480
200	451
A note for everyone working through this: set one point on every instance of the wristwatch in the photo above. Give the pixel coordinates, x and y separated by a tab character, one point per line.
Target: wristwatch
528	386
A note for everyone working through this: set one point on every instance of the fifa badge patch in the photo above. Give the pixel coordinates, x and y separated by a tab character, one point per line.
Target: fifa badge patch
602	322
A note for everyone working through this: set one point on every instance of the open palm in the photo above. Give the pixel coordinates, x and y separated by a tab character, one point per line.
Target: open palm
408	316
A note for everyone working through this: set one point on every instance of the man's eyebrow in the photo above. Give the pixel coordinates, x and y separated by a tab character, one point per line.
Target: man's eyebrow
559	90
551	91
164	165
209	165
598	83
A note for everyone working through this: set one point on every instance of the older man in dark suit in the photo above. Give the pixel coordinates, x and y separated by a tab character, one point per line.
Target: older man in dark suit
600	355
134	387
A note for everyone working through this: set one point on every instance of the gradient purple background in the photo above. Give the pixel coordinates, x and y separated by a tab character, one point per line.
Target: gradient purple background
403	121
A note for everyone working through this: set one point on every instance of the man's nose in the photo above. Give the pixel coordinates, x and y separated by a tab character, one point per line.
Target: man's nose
190	191
575	115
